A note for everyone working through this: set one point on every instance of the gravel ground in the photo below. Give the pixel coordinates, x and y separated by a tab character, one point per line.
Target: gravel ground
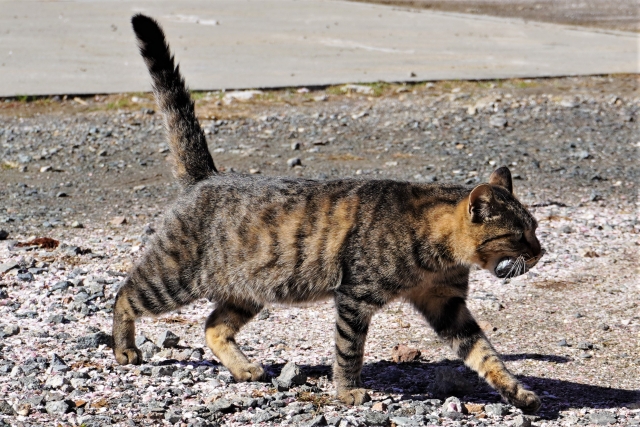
92	173
621	15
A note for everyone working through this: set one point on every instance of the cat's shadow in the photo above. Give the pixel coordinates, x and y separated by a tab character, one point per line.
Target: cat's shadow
417	379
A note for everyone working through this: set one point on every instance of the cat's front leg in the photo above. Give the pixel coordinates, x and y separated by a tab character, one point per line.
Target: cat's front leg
352	323
451	319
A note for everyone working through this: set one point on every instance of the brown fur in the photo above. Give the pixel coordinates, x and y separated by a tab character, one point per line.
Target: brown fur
246	241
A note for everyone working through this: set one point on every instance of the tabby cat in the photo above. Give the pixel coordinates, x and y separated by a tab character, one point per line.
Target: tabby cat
248	241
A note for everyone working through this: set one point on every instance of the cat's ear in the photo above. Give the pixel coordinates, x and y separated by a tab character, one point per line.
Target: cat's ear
479	202
502	177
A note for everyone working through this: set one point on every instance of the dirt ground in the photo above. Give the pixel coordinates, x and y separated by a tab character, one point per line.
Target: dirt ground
94	173
621	15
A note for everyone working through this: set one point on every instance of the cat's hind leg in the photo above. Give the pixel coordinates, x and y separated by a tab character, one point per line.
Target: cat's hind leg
154	286
452	321
220	330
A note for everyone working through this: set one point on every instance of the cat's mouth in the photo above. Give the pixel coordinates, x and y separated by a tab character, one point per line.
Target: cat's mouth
510	267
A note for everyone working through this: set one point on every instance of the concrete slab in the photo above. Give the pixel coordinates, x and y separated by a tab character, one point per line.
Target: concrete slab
85	47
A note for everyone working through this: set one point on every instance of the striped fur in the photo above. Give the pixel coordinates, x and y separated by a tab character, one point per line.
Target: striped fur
249	241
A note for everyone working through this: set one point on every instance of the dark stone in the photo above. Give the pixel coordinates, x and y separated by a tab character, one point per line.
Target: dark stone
375	418
224	406
141	339
168	339
4	234
57	319
25	276
93	340
264	417
58	365
290	376
63	285
163	371
6	408
173	415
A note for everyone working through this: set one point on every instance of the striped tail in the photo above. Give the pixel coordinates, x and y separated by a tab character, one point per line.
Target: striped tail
192	159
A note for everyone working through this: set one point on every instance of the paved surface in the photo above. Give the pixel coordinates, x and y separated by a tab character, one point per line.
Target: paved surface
79	47
621	15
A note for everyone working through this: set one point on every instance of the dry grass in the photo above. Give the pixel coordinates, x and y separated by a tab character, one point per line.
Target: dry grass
348	157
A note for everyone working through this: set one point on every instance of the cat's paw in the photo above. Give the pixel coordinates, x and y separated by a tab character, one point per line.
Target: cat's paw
128	356
355	396
247	372
526	400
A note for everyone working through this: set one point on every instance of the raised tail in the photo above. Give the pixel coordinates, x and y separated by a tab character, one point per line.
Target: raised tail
192	159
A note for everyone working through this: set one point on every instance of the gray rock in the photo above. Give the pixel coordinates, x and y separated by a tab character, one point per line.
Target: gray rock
168	339
62	285
452	403
6	408
375	418
521	421
603	418
334	421
222	405
58	407
25	276
93	340
163	371
148	350
563	343
295	161
10	330
583	155
566	229
197	354
58	365
8	266
584	345
290	376
264	314
403	421
498	121
320	420
141	339
173	415
497	409
264	417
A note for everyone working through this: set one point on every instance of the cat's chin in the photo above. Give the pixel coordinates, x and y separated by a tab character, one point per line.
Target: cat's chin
507	268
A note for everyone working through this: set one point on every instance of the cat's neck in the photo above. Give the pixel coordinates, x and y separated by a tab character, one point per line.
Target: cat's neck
448	230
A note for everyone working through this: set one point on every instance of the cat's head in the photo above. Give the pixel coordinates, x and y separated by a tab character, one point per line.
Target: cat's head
502	230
